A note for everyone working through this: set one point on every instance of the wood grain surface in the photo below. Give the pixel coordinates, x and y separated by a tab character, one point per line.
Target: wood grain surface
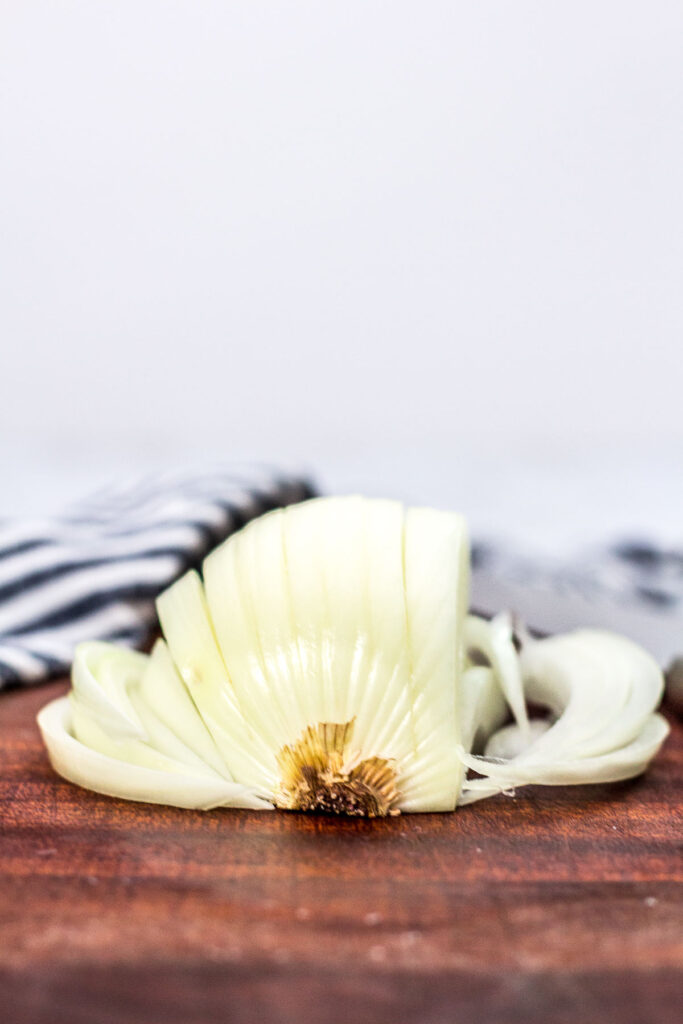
556	907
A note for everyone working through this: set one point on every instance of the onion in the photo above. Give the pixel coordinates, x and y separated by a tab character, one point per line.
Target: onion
325	662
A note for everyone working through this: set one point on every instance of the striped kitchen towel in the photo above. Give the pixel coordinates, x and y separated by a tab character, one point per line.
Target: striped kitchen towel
634	587
93	572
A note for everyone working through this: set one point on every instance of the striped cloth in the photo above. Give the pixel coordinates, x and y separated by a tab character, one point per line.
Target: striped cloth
633	587
93	572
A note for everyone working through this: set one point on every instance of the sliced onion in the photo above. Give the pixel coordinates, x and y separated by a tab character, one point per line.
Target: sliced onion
326	661
97	739
603	690
495	640
482	707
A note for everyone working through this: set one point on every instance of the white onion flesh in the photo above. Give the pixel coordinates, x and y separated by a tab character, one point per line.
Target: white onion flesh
91	769
494	640
348	610
602	690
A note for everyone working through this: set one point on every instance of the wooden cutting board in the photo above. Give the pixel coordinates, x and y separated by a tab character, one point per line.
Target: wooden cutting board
550	907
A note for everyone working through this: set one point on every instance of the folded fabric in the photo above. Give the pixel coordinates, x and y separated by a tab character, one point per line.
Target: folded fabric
633	587
93	573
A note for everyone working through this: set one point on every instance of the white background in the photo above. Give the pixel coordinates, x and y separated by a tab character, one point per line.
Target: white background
432	250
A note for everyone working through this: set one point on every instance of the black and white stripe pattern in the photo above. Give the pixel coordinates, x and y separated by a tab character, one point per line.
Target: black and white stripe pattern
94	572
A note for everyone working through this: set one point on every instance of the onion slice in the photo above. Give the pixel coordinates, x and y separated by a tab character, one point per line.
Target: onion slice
495	641
602	690
91	769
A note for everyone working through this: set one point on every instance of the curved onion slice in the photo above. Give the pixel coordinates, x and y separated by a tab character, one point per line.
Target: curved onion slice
482	706
602	690
495	641
87	767
325	662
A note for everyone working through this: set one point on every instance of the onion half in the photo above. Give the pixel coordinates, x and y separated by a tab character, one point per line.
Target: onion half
326	662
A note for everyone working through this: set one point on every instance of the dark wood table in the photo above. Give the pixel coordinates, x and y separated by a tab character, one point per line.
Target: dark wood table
550	907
